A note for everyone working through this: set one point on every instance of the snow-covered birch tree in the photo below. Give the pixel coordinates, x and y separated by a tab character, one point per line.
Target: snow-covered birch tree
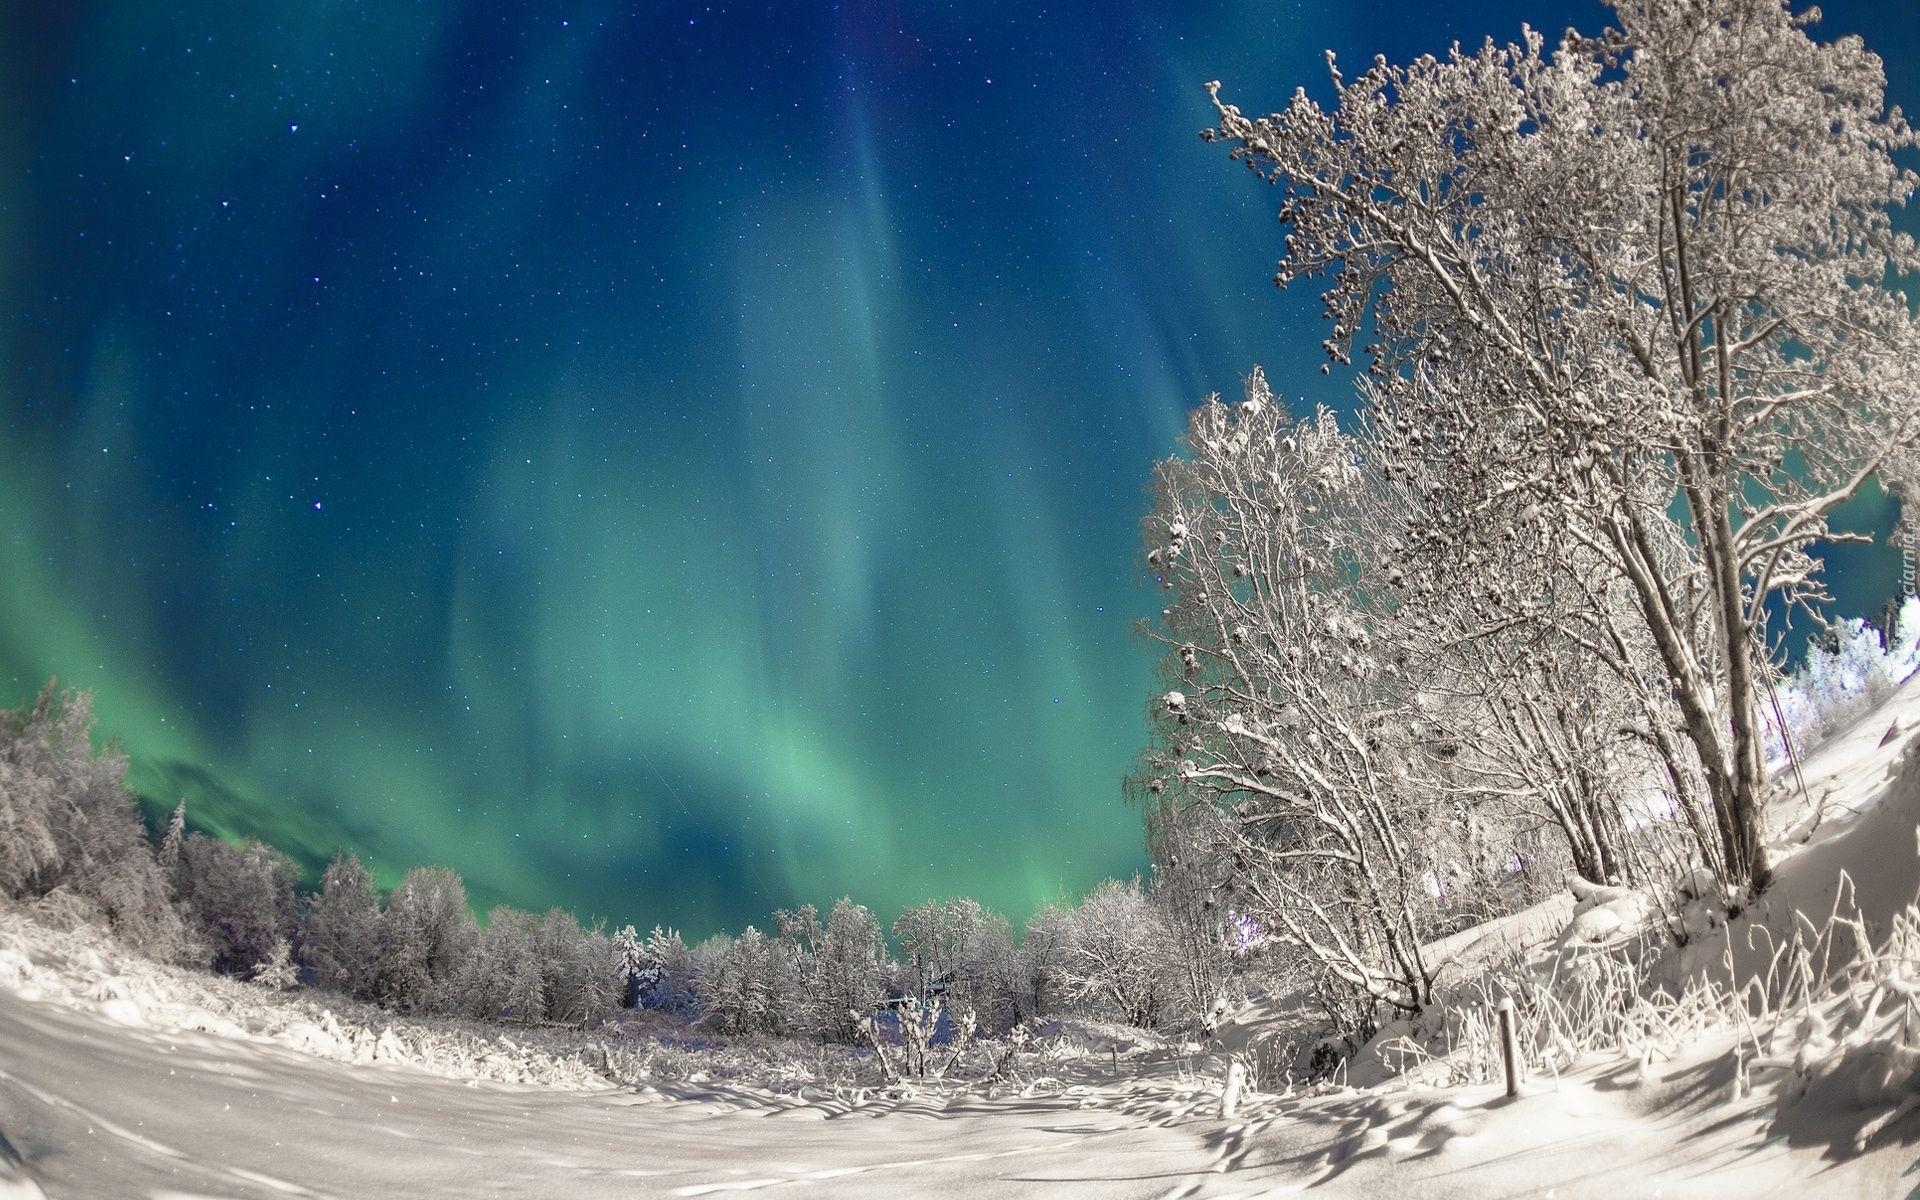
1636	282
1283	705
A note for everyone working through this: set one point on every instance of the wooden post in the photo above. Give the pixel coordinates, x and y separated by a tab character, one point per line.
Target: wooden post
1230	1094
1508	1050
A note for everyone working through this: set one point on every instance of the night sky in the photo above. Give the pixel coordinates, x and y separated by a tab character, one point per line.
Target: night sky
665	460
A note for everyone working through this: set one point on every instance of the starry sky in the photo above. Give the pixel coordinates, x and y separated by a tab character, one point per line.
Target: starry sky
668	460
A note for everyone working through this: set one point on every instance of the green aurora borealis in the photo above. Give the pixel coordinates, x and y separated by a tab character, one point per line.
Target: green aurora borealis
662	460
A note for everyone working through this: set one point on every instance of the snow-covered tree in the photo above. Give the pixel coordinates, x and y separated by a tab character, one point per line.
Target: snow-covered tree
47	773
1540	712
238	899
502	977
1038	988
1847	670
961	950
1113	958
426	934
1641	281
631	955
279	971
924	936
667	972
69	825
171	841
843	978
1284	704
742	983
341	934
539	969
580	970
1903	636
800	927
1192	858
983	966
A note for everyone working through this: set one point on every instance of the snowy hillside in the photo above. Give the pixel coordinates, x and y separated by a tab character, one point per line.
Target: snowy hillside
119	1081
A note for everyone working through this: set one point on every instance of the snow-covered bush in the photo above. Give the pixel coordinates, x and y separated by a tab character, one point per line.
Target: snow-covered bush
918	1039
1844	674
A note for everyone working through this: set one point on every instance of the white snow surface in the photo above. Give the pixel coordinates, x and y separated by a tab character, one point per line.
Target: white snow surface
115	1082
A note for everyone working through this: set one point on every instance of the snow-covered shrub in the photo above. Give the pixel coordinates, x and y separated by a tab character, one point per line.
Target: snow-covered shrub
1826	1012
919	1039
1846	1027
1843	675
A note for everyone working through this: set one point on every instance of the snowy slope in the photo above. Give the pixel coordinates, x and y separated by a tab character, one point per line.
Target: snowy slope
1865	801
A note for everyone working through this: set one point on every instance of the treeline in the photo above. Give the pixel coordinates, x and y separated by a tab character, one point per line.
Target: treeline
72	841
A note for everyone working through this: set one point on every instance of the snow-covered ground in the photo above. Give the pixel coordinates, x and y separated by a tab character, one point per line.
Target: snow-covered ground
119	1083
102	1110
98	1109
